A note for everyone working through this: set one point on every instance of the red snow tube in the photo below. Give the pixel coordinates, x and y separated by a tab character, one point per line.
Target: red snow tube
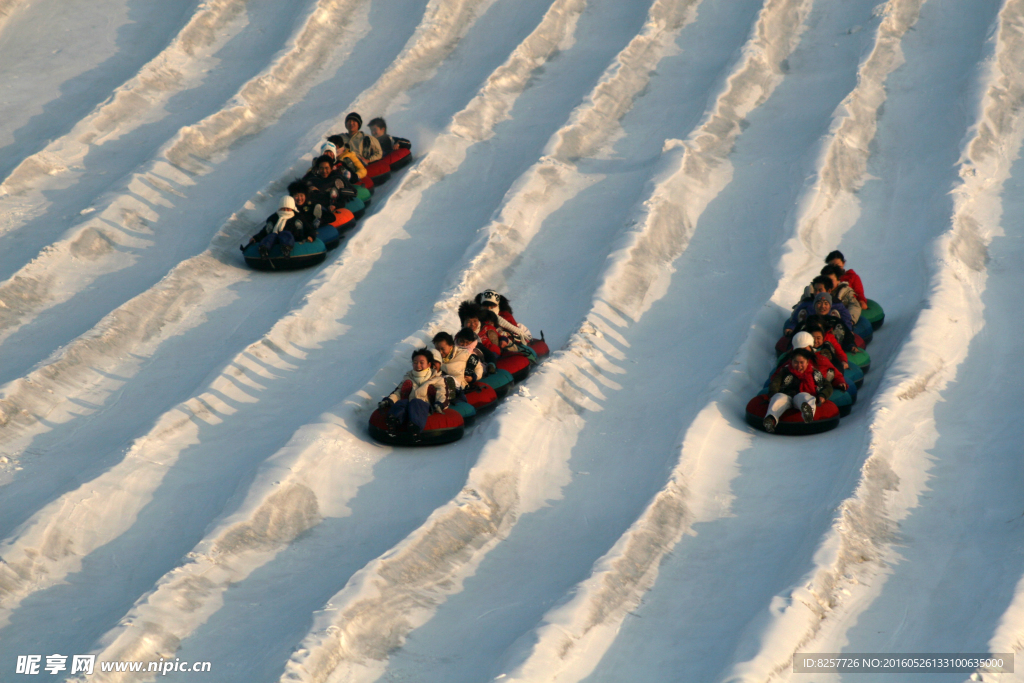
398	159
540	347
380	171
343	219
481	396
441	428
366	182
515	364
783	344
826	417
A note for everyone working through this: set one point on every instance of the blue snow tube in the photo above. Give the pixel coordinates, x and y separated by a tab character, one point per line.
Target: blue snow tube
864	329
464	409
854	375
501	381
304	254
357	207
329	235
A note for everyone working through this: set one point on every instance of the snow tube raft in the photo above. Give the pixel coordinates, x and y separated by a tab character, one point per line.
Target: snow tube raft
875	314
343	220
864	330
379	171
481	396
861	359
329	235
363	194
501	381
398	159
516	364
304	255
854	375
540	347
826	417
441	428
357	207
467	411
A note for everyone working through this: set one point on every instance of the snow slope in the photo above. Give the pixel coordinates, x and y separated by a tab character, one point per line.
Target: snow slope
184	466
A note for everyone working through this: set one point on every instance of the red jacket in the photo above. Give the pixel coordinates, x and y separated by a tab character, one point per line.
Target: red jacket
487	342
831	340
823	365
851	278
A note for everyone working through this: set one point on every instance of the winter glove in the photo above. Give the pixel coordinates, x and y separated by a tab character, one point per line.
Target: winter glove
318	211
385	405
437	408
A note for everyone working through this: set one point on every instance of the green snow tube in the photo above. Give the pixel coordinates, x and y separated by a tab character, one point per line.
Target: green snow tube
875	314
357	207
501	381
861	359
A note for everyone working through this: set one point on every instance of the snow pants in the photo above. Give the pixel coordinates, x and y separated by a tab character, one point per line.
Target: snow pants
414	411
780	403
285	238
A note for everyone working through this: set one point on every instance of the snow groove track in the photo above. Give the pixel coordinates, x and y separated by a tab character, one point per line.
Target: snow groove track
400	590
853	559
133	104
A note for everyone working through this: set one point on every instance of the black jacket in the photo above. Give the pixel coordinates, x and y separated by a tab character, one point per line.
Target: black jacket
296	225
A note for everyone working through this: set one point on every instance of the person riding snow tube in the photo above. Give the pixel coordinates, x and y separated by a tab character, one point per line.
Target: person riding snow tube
798	402
416	413
841	390
285	242
397	151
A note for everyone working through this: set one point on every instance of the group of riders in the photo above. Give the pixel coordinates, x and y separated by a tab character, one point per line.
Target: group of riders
817	339
320	196
445	374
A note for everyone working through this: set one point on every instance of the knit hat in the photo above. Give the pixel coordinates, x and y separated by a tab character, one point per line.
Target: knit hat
822	295
357	117
329	147
801	340
490	297
287	202
437	355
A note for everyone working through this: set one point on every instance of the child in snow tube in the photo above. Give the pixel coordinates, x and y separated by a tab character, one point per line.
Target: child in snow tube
416	412
285	241
800	386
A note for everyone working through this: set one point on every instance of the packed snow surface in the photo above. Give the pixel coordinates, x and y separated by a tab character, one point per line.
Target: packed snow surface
185	470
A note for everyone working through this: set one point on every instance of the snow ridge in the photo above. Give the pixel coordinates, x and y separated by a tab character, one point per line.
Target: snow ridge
175	69
857	550
261	101
832	207
400	590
